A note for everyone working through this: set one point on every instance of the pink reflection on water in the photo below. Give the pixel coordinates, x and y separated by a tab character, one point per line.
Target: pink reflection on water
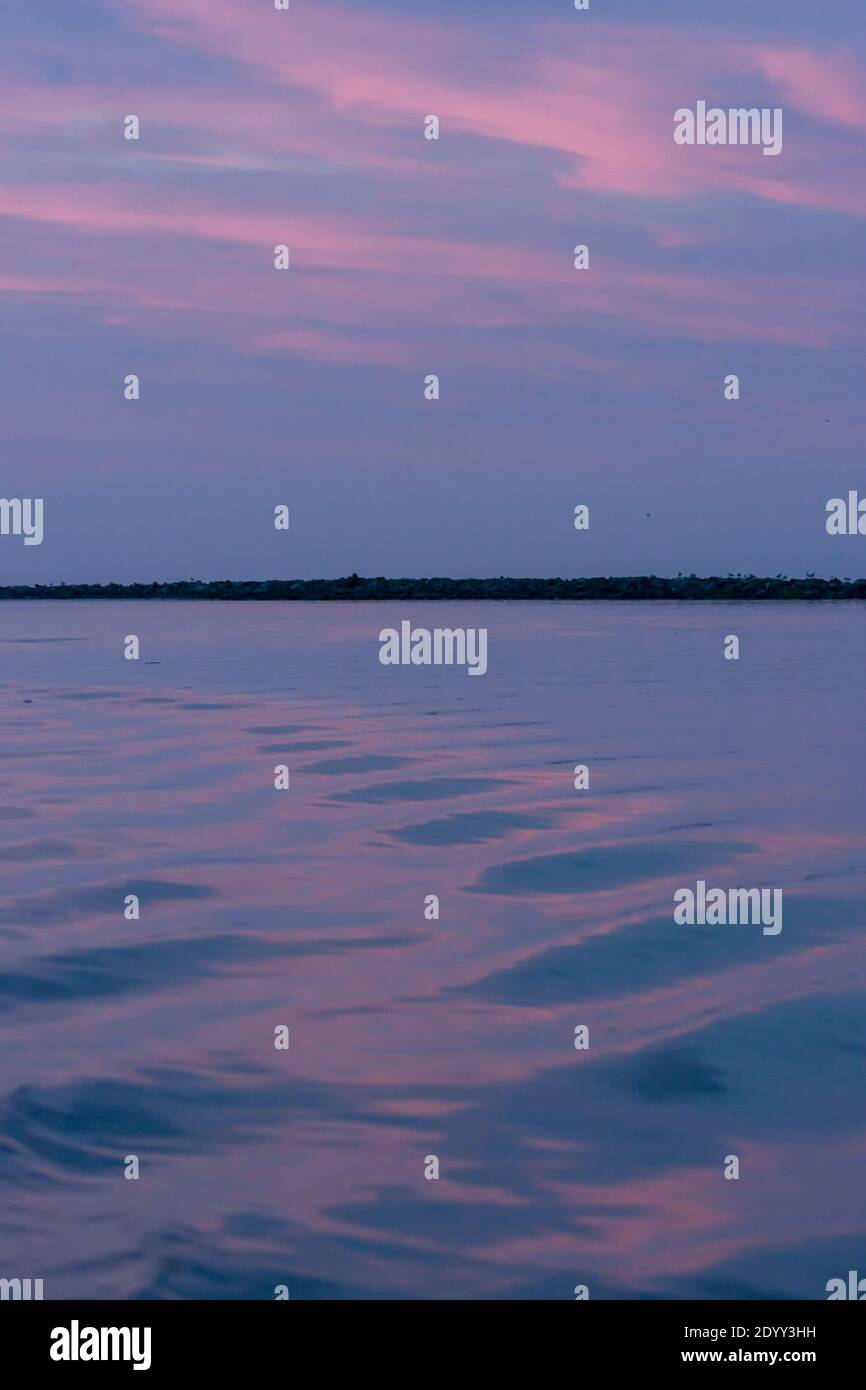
411	1036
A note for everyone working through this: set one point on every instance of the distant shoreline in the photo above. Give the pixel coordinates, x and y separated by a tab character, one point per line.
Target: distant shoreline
356	589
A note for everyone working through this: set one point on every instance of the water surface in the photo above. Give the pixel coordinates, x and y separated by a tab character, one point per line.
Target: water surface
412	1037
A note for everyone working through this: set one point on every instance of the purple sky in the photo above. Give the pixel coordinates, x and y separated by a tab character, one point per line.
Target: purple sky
411	257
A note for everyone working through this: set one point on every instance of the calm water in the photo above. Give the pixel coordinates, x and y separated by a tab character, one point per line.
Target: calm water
412	1037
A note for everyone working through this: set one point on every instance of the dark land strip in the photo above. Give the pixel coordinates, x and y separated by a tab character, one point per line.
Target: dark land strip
355	588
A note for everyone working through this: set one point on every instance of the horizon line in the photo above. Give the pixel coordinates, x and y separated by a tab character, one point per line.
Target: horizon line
502	588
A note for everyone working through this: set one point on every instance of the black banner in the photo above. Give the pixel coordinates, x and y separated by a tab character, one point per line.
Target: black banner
161	1339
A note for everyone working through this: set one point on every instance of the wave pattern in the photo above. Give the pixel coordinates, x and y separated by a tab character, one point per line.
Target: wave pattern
410	1037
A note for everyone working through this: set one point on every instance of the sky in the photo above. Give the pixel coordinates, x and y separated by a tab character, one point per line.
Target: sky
411	257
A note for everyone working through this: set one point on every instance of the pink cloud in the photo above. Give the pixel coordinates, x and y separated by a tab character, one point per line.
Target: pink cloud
604	102
321	241
827	86
331	83
349	86
363	293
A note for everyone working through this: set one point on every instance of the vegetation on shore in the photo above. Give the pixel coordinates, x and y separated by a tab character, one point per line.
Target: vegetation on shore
356	588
